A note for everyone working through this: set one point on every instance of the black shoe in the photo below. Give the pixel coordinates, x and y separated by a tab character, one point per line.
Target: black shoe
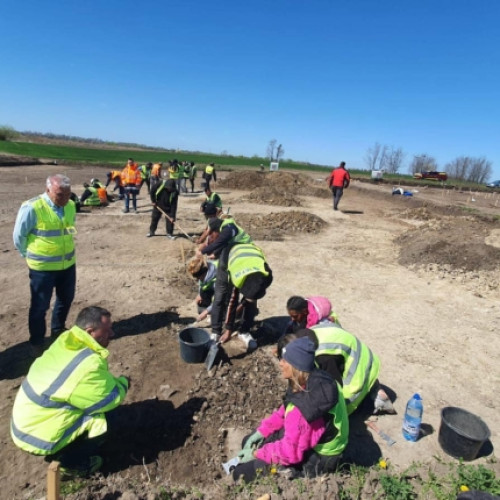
150	234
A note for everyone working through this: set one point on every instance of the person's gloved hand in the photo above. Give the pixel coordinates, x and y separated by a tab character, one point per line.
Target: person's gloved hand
246	455
253	441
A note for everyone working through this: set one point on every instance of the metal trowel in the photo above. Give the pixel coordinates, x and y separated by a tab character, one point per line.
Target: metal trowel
212	354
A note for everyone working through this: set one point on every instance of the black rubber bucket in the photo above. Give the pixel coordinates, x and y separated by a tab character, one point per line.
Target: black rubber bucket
194	344
462	433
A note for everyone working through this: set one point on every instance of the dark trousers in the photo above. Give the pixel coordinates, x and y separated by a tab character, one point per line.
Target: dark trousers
192	184
155	218
131	192
42	284
337	193
207	178
222	291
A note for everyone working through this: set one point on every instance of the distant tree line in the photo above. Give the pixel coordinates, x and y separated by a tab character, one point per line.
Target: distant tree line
462	168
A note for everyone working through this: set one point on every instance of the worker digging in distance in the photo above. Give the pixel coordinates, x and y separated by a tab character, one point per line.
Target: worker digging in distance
205	271
131	181
249	275
94	194
307	435
116	176
228	235
59	411
308	312
211	198
164	200
43	235
351	363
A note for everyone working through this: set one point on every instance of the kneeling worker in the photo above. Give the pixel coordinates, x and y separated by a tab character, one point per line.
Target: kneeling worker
60	408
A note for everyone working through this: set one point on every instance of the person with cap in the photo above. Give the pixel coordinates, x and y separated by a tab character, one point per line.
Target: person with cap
209	174
164	200
249	275
228	235
131	180
351	363
116	176
211	198
205	272
307	435
43	235
59	411
338	180
308	312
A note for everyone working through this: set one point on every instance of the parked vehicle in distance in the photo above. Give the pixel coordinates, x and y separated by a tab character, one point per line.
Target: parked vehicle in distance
494	184
433	176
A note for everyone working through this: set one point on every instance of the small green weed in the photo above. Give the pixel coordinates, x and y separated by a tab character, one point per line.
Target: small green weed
397	487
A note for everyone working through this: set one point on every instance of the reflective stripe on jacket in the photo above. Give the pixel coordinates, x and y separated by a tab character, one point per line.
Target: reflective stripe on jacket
65	394
245	259
241	236
337	417
93	200
50	245
361	365
131	176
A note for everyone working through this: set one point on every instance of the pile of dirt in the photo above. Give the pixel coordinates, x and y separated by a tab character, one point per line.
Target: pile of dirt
275	226
17	161
274	188
460	245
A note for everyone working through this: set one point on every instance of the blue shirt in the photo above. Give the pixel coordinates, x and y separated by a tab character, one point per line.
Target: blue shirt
26	221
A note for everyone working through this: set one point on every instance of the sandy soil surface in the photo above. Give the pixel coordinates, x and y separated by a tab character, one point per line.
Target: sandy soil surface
416	278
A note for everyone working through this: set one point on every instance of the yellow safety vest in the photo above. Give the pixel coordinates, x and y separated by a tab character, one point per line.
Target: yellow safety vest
50	245
241	237
65	394
245	259
209	170
361	365
93	200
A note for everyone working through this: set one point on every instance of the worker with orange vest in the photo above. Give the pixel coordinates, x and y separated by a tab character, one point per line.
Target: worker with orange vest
115	175
131	180
337	181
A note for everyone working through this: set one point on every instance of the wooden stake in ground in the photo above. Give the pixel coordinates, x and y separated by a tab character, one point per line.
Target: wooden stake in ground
53	481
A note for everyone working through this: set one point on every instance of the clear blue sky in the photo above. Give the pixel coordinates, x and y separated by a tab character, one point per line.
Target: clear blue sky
327	79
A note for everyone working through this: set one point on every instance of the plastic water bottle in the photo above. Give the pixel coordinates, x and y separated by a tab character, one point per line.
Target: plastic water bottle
413	418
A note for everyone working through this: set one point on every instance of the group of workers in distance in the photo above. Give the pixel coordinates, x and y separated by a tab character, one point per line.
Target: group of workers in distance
60	408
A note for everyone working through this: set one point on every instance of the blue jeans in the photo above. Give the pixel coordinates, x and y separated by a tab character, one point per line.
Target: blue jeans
42	284
131	192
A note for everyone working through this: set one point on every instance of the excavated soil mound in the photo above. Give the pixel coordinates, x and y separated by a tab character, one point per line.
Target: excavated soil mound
274	188
275	226
17	161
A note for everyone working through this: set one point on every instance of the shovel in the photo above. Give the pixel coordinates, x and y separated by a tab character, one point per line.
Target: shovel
212	354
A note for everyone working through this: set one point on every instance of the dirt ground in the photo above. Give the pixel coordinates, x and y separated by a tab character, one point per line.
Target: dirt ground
416	278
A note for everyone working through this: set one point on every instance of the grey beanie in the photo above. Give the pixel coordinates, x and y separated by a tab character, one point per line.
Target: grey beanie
300	354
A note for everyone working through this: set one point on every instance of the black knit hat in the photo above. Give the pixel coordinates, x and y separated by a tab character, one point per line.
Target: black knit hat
300	354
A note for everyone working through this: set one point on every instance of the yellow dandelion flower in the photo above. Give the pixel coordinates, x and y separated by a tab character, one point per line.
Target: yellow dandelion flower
273	470
382	463
464	488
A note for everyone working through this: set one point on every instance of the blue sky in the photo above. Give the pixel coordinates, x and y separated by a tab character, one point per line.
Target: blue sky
326	79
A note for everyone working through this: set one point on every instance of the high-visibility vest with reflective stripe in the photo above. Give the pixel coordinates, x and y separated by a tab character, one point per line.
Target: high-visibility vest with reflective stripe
209	170
74	369
215	199
173	171
50	245
245	259
241	236
93	200
361	365
340	420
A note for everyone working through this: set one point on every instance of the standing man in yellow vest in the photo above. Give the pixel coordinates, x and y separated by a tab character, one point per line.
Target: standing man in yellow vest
209	174
43	235
60	407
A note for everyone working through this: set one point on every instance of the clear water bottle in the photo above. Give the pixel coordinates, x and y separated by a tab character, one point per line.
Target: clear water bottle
413	418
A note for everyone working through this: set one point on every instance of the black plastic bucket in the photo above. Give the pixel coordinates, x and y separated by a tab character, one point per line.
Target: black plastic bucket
194	343
462	433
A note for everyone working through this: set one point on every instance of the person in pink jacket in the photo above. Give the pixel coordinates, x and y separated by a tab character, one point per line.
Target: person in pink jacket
308	433
309	312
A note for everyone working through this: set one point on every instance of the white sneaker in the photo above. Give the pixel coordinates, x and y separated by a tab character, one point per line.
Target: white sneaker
215	337
383	406
249	341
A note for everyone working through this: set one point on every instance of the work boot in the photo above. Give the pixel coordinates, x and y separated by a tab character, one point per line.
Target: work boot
249	341
91	465
125	210
383	405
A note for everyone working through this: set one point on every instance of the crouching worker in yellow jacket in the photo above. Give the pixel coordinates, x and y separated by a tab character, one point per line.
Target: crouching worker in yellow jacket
60	408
